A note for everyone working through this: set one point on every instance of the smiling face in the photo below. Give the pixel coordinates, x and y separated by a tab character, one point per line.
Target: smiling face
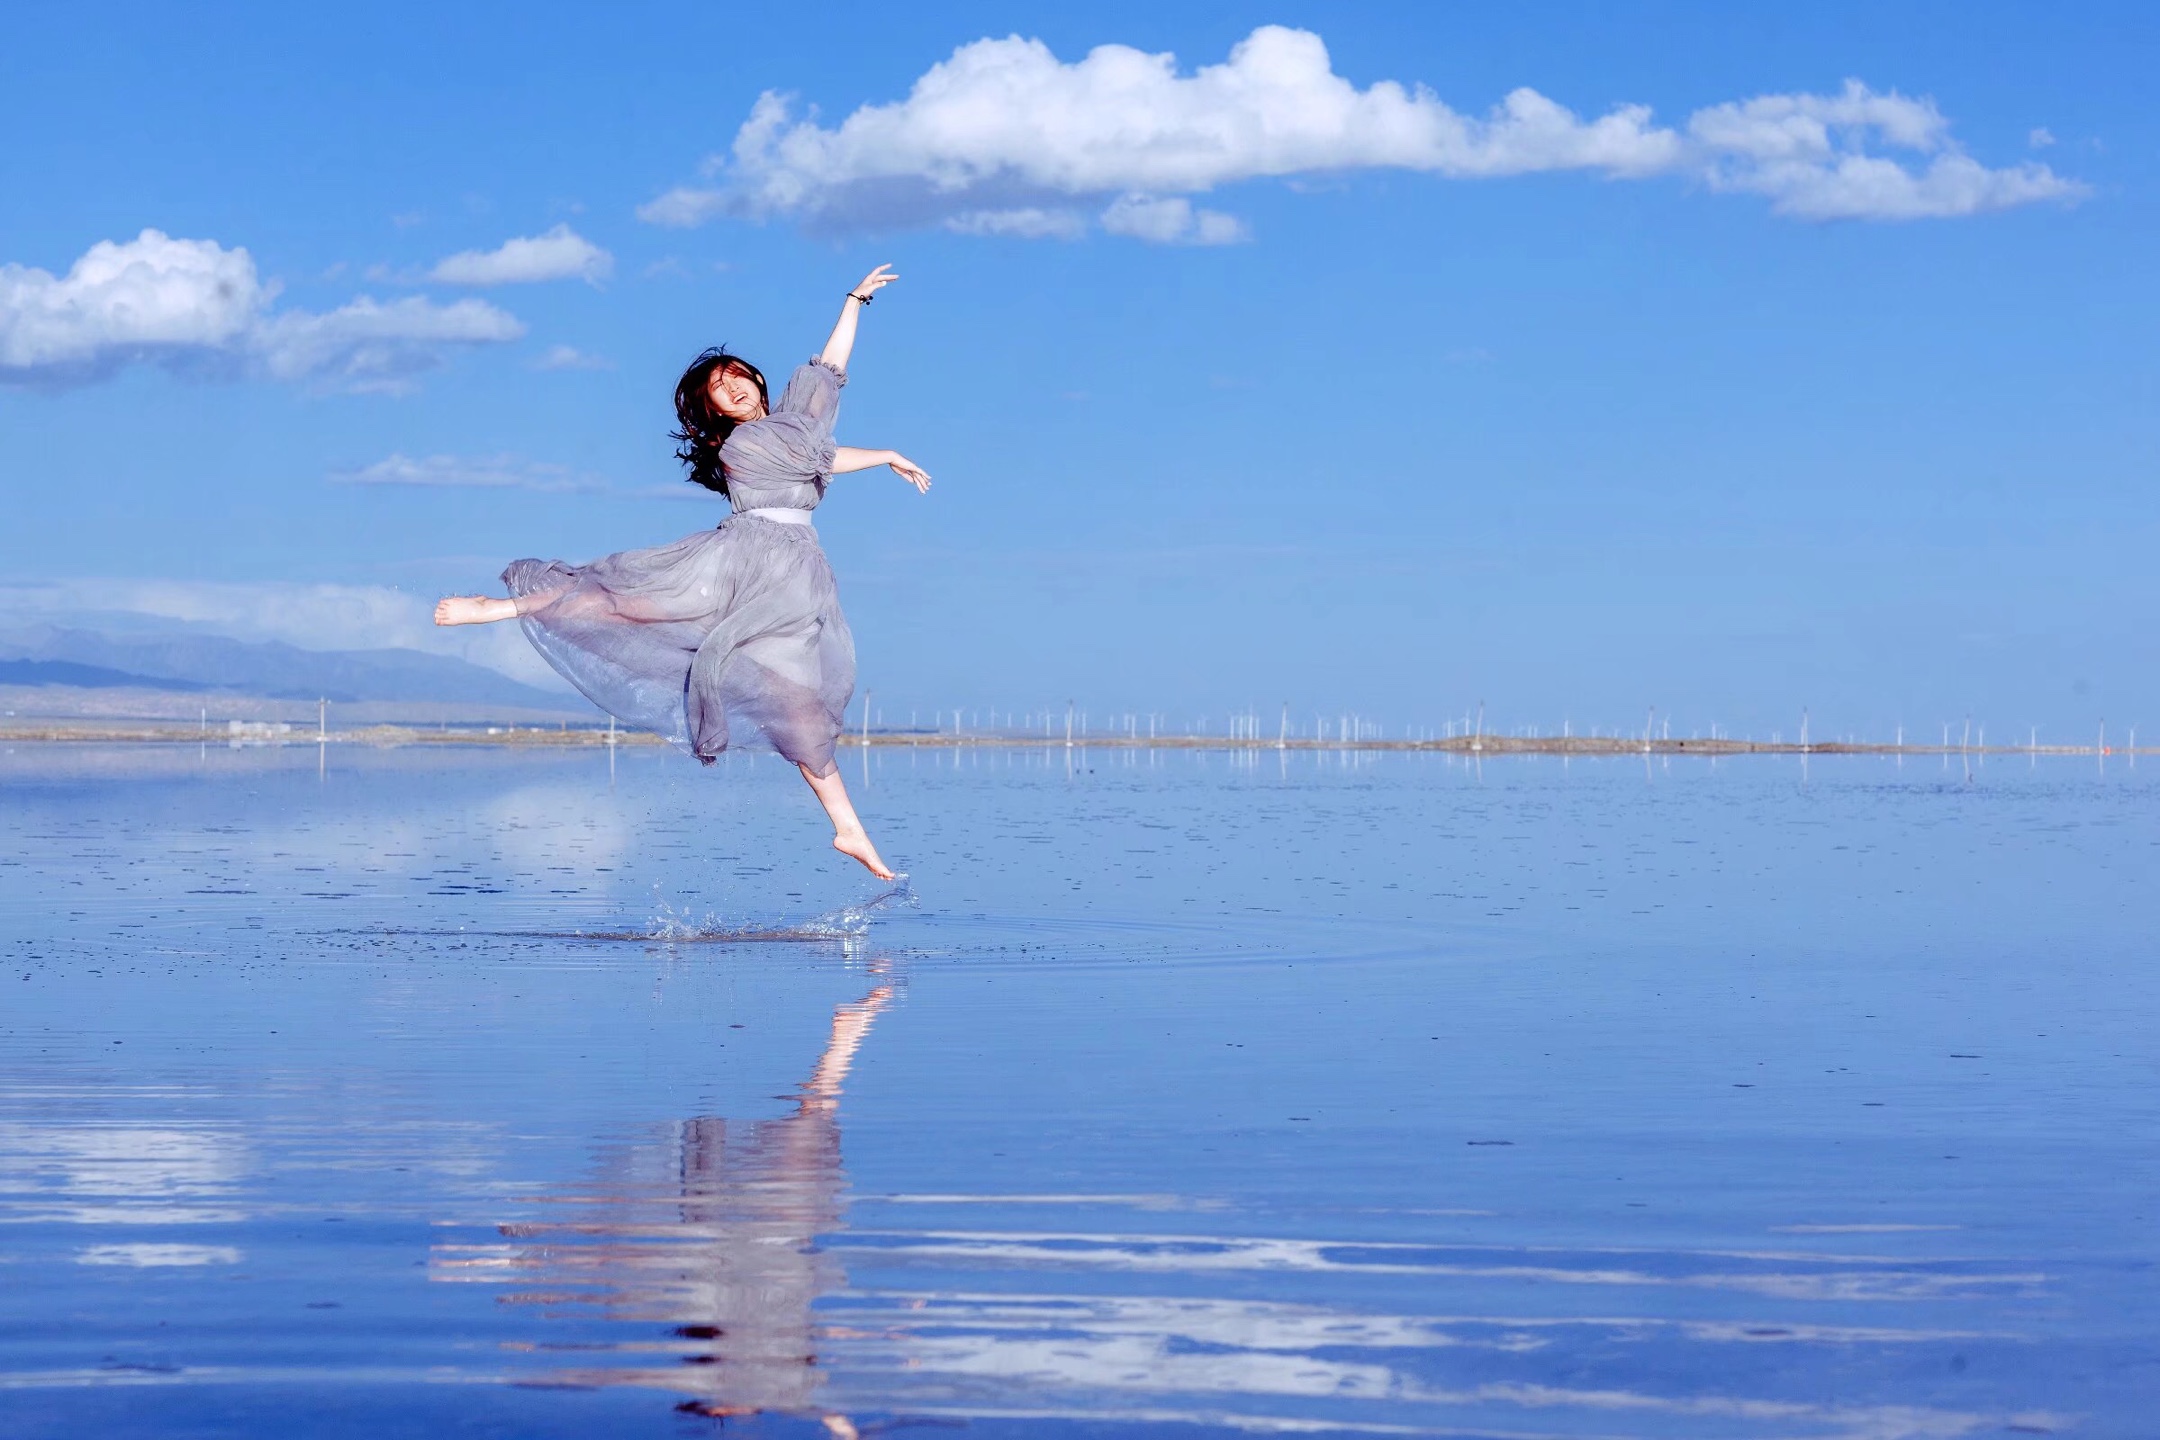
734	394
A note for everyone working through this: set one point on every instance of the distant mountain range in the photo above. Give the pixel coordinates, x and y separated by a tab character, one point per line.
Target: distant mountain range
53	655
87	677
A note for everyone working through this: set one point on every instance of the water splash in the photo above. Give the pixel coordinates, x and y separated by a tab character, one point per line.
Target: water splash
682	927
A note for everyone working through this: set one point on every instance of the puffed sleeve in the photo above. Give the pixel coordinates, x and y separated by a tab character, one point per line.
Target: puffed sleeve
813	392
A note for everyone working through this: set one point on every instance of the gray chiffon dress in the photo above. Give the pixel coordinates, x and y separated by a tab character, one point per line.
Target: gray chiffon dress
728	636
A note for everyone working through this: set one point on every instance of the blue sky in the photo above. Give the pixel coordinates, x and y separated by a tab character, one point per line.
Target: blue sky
1574	414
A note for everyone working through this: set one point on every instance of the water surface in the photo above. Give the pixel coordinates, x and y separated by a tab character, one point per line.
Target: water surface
506	1093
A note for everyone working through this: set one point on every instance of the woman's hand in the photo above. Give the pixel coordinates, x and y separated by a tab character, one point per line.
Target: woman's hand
841	344
875	281
909	471
847	459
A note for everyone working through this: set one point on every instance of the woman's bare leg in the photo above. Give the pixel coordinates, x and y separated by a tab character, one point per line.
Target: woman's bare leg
474	610
849	837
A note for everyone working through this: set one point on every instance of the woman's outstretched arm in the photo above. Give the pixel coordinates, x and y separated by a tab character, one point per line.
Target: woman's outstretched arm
841	343
847	459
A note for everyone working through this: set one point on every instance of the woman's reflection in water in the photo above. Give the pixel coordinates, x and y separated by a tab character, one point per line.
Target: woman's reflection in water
737	1269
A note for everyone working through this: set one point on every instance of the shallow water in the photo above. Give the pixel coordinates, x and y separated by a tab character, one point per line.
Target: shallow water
505	1093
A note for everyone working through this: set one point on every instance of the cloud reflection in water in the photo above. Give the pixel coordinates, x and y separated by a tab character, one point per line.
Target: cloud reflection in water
733	1236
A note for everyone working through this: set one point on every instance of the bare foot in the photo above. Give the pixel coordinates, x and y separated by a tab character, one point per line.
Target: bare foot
473	610
856	845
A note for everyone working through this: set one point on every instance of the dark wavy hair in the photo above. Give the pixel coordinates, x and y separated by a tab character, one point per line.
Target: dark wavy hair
703	429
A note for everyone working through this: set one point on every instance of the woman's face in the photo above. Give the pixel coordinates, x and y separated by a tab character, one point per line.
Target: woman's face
734	394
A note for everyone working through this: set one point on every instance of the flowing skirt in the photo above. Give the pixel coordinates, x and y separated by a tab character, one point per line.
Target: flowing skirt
726	636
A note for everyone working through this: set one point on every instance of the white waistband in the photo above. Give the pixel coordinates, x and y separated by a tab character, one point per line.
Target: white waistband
783	514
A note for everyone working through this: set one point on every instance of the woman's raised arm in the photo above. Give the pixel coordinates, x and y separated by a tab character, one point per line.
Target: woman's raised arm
841	343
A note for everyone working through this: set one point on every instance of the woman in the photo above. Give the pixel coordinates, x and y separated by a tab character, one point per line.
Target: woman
741	624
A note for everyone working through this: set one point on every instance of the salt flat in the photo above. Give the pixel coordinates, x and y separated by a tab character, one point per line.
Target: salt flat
518	1092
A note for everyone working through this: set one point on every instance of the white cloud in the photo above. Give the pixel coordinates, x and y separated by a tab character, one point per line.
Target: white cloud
1171	221
151	295
367	345
195	305
485	472
569	357
1809	154
1003	136
311	616
1031	223
308	616
560	254
2040	138
683	207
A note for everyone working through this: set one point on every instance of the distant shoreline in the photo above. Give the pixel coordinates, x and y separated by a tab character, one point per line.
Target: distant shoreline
564	736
